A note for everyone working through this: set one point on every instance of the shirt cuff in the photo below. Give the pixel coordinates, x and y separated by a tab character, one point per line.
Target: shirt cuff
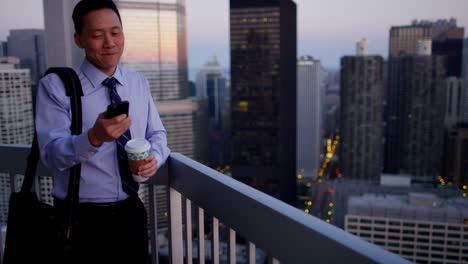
158	159
84	149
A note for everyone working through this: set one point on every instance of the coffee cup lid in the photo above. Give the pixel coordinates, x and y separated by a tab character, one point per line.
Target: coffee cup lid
137	145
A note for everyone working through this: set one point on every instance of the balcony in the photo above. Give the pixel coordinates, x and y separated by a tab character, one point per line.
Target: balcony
284	233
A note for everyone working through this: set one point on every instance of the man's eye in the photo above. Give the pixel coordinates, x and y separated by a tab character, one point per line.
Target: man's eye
97	36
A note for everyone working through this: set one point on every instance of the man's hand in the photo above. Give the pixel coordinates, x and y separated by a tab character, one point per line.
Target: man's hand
149	168
107	130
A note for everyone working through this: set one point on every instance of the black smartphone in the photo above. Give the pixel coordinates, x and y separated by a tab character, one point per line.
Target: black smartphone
114	110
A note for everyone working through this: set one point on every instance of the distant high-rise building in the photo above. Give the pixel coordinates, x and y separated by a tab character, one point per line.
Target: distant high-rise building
218	105
263	98
361	116
422	78
16	117
29	46
217	99
456	155
156	44
446	40
331	103
309	116
212	68
3	48
186	124
465	82
446	36
454	103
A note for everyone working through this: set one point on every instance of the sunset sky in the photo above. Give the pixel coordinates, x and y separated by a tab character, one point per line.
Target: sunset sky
327	29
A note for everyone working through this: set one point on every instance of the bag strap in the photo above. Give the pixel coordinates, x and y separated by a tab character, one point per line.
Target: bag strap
74	91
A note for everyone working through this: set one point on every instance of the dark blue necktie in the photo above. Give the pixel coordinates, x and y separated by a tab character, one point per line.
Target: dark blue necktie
128	184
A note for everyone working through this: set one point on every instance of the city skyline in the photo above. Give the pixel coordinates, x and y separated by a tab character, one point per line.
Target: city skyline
325	35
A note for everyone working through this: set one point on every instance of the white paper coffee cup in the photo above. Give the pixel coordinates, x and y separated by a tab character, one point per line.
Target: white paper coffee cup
137	150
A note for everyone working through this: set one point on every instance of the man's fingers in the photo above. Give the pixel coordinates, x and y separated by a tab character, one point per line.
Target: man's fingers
149	169
119	118
117	126
102	115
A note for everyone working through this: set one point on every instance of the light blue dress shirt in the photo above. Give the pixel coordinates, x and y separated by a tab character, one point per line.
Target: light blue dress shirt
59	150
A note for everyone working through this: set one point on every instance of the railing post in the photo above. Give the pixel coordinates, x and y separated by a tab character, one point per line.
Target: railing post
232	247
201	236
251	254
1	244
176	251
188	228
153	225
215	241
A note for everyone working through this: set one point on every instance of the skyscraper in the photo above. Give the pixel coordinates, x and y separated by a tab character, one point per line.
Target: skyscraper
465	82
456	155
186	124
454	103
218	100
212	84
447	40
446	36
3	48
361	115
156	44
263	97
309	116
16	117
211	67
422	78
29	46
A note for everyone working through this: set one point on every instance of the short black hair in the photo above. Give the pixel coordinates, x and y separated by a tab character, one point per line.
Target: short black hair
86	6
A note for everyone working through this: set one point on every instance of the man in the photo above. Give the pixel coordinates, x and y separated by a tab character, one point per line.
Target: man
112	219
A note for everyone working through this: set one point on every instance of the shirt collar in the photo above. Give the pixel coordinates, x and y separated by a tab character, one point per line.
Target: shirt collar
96	77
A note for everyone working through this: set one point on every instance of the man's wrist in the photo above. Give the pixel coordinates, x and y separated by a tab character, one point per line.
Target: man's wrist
93	139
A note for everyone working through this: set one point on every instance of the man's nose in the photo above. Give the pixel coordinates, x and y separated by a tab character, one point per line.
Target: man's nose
108	40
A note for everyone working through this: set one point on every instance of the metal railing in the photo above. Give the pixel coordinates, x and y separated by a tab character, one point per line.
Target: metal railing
284	233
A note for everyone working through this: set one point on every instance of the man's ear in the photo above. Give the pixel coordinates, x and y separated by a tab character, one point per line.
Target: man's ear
77	40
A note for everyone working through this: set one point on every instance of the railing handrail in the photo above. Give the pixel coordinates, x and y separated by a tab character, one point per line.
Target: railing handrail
281	230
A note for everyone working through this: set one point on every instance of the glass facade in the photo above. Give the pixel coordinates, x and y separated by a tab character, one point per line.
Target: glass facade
155	45
309	116
263	95
186	124
447	40
255	55
361	116
16	114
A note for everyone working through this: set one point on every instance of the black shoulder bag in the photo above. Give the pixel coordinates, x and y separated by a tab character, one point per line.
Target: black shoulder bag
38	232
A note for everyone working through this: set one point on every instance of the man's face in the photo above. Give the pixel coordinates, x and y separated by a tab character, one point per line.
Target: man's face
102	38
